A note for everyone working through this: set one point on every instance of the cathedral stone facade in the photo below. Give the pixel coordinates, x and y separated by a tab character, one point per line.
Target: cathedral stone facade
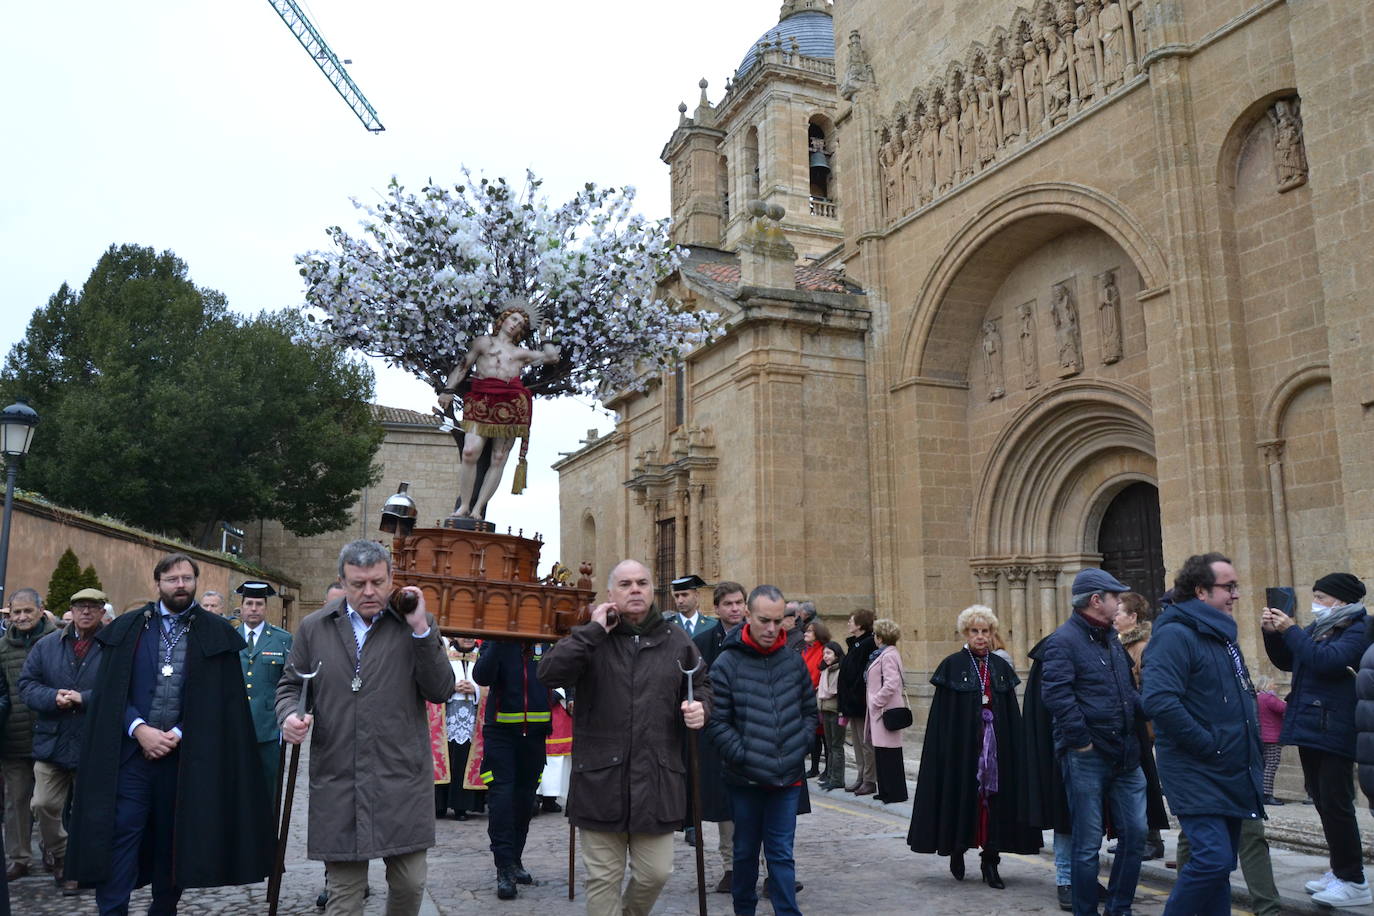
1011	290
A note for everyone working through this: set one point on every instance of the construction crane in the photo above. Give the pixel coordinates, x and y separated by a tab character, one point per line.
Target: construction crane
328	62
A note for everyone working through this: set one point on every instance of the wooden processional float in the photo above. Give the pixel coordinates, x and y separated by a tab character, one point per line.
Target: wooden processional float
479	583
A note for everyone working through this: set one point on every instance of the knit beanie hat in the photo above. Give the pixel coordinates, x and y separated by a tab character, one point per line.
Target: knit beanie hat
1341	585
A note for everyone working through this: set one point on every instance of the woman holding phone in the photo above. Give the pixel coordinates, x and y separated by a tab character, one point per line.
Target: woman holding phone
1320	720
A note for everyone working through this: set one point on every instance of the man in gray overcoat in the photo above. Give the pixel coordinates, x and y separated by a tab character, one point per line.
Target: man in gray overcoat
371	774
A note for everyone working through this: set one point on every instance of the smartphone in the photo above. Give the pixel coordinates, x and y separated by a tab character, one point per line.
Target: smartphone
1282	599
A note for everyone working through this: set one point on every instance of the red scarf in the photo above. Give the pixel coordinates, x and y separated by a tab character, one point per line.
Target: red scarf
748	638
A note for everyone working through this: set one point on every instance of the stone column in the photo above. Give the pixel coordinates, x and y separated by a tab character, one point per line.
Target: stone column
1278	503
1048	576
987	585
682	554
1020	641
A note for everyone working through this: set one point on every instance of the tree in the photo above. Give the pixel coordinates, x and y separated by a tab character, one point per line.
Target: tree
162	408
64	582
429	273
90	579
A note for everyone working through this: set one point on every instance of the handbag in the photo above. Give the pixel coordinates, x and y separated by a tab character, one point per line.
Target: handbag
894	720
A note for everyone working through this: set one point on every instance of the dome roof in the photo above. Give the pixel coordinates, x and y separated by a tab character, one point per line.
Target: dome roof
813	30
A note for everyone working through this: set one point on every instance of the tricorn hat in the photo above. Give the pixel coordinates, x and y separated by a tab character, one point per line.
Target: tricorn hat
686	583
256	590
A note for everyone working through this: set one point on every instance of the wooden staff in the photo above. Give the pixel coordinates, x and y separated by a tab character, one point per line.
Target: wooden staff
279	866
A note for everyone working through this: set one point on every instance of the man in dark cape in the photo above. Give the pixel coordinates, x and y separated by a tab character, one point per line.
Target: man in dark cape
1044	802
215	829
944	811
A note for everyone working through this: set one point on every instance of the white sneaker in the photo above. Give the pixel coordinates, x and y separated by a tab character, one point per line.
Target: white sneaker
1345	893
1321	884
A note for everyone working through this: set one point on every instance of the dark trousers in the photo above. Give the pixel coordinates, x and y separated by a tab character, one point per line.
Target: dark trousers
1330	780
834	739
767	818
513	762
270	754
1203	887
145	800
1255	865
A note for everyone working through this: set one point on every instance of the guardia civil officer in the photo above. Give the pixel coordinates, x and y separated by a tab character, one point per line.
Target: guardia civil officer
262	659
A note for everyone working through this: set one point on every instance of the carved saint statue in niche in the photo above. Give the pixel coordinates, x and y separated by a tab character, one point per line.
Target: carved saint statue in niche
1084	54
1011	104
1030	356
1035	86
1113	58
967	153
1109	310
929	143
887	161
1068	339
947	153
987	120
1056	77
906	149
992	359
1290	156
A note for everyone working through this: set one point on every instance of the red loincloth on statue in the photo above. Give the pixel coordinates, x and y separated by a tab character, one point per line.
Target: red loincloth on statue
500	409
438	742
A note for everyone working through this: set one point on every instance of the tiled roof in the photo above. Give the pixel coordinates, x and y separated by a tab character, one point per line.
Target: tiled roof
811	279
399	415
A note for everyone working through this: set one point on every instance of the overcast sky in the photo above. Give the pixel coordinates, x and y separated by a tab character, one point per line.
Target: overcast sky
206	129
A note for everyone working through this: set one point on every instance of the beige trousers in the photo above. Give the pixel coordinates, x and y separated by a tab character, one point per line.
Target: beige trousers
725	845
604	855
18	775
865	766
51	784
405	885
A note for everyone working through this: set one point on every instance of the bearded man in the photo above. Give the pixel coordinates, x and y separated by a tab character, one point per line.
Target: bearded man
169	749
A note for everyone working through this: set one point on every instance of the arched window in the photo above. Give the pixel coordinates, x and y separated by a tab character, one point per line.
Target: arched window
819	154
751	164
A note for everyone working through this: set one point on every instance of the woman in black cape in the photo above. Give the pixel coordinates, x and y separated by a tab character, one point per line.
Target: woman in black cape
952	812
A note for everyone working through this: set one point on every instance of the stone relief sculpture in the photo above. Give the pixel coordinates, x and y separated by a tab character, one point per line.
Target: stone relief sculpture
1113	53
1068	337
1290	156
1056	77
967	150
992	359
1070	55
1109	312
1030	356
1085	54
987	120
1011	101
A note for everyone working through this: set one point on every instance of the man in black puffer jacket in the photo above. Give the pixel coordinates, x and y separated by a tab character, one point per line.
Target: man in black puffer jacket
762	723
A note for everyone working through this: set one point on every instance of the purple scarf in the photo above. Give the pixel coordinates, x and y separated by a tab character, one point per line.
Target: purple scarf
987	757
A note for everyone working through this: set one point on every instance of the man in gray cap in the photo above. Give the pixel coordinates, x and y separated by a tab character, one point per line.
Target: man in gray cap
1087	687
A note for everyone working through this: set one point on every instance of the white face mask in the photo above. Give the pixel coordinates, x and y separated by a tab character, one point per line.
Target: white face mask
1320	610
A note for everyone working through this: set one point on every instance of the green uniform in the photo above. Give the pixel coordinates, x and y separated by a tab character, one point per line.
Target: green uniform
262	667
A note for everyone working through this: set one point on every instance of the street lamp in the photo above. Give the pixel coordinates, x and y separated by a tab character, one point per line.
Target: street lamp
16	433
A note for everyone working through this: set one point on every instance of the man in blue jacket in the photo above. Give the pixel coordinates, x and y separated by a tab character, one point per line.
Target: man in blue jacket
1202	701
57	683
765	714
1087	686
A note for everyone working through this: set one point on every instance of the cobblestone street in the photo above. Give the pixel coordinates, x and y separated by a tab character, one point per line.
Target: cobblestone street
851	855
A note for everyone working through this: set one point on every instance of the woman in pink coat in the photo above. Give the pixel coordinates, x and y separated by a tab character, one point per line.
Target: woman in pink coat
883	680
1271	710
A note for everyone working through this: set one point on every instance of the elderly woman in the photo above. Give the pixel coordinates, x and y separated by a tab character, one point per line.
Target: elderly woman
1133	623
884	686
1320	720
968	791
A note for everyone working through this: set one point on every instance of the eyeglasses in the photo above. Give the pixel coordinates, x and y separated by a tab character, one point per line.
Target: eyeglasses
1232	587
178	580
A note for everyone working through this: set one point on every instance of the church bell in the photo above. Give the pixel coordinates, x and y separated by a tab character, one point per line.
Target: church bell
820	162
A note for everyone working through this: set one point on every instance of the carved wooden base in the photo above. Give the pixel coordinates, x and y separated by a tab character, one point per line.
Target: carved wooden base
480	583
464	523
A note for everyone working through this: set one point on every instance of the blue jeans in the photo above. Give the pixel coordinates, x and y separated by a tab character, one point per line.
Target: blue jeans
766	817
1063	859
1090	780
1203	887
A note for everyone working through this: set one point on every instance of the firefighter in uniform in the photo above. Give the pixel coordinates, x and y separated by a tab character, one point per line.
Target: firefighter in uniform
263	661
513	731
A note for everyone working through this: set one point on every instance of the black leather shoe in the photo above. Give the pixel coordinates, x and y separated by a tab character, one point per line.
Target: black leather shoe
519	874
1152	851
505	883
1065	892
1273	802
991	878
551	806
723	885
689	834
956	866
322	901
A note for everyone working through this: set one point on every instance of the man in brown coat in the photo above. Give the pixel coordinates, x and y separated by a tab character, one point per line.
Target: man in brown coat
628	790
371	776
